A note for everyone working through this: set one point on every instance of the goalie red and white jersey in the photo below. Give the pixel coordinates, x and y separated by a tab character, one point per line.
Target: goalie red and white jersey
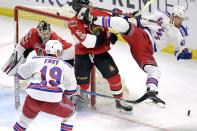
48	77
32	41
162	32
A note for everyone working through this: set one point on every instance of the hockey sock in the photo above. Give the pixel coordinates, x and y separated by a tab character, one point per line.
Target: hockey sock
153	75
23	123
152	83
66	127
19	126
115	86
67	123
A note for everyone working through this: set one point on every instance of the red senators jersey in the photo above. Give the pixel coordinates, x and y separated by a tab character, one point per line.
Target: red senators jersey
32	41
80	32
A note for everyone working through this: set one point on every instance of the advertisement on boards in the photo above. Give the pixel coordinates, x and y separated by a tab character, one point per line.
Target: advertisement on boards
126	5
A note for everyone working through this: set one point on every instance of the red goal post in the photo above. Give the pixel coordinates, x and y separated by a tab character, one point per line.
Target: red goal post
29	18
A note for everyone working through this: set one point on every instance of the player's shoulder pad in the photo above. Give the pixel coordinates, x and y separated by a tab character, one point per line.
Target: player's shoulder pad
183	31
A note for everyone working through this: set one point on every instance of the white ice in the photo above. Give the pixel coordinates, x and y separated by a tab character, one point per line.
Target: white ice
178	87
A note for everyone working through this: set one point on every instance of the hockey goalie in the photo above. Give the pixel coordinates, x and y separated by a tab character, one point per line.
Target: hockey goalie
35	39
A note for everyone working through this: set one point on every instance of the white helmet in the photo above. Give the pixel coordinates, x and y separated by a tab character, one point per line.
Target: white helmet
54	47
180	11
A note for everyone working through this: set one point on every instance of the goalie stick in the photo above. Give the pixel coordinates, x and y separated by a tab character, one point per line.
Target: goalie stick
16	92
141	99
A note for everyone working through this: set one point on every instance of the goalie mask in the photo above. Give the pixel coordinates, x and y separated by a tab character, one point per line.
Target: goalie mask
44	30
54	47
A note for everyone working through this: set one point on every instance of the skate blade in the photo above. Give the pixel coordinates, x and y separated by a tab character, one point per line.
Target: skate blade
150	102
125	112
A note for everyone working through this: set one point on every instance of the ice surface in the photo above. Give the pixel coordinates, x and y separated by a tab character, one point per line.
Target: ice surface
178	87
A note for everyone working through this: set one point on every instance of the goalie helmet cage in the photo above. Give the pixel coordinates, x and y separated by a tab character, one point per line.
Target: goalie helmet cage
26	13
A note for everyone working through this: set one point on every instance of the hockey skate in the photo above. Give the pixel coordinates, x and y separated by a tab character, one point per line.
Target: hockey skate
123	107
153	99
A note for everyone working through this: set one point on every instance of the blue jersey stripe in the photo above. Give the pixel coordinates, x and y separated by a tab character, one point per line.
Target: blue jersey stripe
38	86
183	31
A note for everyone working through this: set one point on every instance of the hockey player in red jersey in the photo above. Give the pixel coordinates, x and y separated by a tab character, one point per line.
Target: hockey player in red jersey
92	45
48	77
35	39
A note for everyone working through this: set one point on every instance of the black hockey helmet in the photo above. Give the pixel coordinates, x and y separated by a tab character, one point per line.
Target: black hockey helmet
44	26
85	2
78	4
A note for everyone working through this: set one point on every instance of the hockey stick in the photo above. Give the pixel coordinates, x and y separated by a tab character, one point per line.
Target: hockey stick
141	99
144	8
125	14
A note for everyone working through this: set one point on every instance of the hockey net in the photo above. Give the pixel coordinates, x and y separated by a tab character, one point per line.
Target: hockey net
28	17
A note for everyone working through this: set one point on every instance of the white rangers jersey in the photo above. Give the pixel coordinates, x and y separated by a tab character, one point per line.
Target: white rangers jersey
162	32
48	77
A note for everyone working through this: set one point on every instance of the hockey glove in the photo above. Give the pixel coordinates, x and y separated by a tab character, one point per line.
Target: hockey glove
84	14
116	12
113	38
183	54
101	39
72	97
136	13
119	12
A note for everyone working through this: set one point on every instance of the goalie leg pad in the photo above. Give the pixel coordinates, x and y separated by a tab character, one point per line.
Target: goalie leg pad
15	60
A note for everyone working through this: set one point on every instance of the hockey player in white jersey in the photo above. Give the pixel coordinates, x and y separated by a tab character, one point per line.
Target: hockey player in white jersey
48	77
145	38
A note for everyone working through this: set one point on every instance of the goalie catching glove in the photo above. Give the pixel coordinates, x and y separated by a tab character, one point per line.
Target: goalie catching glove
17	58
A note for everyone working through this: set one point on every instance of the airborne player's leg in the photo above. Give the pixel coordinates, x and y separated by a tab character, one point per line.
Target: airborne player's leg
142	51
106	65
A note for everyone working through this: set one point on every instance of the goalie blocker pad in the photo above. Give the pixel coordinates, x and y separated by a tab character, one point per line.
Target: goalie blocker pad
15	60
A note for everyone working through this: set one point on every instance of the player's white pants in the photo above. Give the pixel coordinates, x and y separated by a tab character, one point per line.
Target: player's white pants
118	24
153	75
